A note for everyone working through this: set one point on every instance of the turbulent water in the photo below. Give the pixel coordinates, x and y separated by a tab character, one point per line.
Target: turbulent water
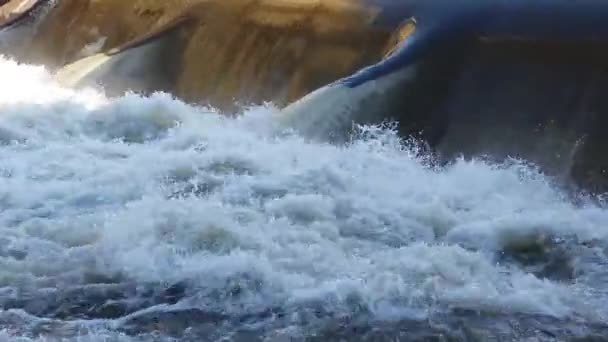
143	218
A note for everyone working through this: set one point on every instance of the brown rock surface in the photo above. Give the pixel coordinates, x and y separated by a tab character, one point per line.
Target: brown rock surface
248	51
12	10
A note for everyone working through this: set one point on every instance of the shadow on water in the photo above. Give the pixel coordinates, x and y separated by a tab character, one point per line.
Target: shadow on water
542	102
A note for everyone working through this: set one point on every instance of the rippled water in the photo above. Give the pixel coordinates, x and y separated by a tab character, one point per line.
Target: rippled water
146	218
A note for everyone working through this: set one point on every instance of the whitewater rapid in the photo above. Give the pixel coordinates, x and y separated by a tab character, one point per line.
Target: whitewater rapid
150	191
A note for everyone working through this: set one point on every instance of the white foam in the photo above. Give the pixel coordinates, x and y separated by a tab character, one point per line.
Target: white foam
161	191
334	108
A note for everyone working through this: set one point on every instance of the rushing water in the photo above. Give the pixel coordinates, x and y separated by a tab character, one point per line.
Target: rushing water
145	218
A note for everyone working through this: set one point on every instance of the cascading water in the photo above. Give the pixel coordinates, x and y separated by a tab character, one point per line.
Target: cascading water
16	37
143	218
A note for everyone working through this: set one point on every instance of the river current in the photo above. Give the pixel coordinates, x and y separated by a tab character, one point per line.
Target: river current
144	218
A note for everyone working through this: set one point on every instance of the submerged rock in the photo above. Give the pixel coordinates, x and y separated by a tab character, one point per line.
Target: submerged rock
469	326
465	326
543	256
93	301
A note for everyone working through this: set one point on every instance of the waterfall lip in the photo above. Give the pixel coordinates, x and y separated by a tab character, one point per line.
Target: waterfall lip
12	11
540	19
171	26
439	23
412	47
109	68
444	32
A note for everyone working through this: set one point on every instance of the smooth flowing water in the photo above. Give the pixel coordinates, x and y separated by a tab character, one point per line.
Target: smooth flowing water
143	218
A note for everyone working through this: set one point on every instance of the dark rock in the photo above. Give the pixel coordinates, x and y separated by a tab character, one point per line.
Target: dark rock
173	293
543	256
110	310
174	322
